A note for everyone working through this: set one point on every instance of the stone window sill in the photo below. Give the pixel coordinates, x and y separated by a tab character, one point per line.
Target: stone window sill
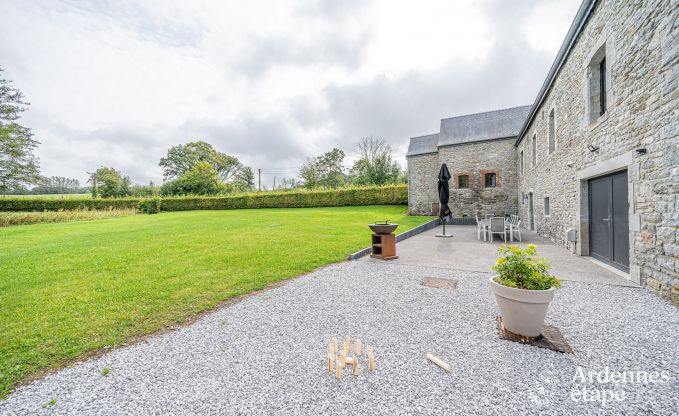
599	121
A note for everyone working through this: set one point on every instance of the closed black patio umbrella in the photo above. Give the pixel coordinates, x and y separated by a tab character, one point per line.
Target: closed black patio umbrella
444	197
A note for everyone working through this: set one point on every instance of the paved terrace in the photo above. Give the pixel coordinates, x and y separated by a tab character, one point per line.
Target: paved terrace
464	252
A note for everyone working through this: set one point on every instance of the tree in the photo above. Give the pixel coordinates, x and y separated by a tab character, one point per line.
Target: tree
144	190
244	179
325	170
181	158
331	169
202	179
18	165
375	165
57	185
109	183
310	174
289	183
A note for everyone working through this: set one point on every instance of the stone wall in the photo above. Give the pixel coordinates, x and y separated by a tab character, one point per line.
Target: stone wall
422	183
642	51
475	159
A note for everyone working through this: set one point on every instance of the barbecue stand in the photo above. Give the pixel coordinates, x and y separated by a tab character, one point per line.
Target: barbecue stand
383	241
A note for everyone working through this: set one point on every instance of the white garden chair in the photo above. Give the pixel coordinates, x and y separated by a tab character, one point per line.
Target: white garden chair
513	226
497	226
481	227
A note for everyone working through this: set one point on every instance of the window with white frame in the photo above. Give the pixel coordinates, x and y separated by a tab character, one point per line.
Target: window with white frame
547	207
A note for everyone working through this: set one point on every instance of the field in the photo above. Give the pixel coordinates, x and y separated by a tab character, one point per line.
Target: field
8	219
69	289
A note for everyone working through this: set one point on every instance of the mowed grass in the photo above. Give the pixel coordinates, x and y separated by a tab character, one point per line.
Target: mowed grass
69	289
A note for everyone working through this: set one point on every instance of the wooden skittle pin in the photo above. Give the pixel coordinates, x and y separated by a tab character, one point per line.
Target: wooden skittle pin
347	345
331	363
358	347
371	361
436	360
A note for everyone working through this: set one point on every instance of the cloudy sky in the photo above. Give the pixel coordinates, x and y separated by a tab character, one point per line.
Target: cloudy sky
116	83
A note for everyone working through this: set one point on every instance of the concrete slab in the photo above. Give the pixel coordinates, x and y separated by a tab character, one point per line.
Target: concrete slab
464	252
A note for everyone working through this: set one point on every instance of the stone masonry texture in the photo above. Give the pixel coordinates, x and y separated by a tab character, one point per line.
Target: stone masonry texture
472	159
641	43
422	183
640	40
475	159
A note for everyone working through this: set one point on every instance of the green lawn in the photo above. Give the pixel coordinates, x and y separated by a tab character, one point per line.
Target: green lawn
70	288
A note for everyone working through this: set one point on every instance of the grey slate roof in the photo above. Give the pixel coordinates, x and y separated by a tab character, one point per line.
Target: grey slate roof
423	144
482	126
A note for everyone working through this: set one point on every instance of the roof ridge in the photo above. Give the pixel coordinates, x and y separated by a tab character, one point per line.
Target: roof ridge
425	135
487	112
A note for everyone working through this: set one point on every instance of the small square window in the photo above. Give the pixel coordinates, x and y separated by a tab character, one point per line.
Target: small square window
490	180
463	181
547	207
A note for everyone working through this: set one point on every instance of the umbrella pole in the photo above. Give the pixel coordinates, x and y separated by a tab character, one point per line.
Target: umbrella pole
444	230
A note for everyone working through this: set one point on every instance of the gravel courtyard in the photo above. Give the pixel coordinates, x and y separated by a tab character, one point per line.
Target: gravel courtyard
265	354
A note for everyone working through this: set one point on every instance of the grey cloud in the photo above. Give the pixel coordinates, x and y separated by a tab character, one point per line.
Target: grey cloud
135	152
134	17
261	138
327	43
412	104
332	9
279	51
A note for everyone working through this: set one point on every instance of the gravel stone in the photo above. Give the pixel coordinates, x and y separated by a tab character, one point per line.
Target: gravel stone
265	355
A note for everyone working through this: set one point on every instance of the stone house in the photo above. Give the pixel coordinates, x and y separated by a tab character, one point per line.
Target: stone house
479	151
597	152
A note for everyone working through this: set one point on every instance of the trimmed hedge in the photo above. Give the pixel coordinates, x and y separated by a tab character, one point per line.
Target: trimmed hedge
149	205
384	195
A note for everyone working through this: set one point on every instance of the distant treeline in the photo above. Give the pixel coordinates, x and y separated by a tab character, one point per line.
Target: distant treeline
52	185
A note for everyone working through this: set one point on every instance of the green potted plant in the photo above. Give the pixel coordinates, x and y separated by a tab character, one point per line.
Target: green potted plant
523	289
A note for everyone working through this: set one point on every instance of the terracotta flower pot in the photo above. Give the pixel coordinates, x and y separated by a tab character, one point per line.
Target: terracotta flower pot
523	311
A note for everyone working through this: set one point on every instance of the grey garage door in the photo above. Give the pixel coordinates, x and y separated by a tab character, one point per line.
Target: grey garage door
608	219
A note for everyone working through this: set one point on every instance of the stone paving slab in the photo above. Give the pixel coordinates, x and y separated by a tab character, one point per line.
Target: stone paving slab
464	252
